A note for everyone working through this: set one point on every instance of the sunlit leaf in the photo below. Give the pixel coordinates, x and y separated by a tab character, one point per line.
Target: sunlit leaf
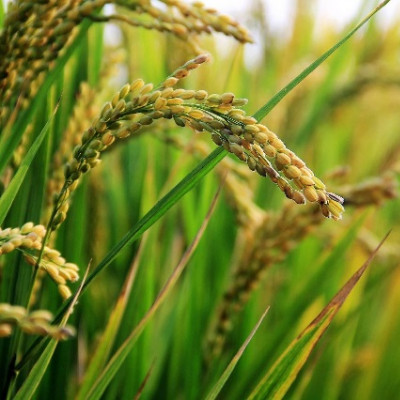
120	355
6	200
231	366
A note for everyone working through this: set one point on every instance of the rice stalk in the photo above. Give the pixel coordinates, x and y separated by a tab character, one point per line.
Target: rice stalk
36	42
374	191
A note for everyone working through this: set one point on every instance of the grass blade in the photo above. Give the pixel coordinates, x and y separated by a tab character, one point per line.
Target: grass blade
160	209
34	378
144	382
139	228
115	363
106	342
8	196
31	383
231	366
266	108
278	380
1	14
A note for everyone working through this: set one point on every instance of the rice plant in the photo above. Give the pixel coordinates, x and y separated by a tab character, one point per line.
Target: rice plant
178	223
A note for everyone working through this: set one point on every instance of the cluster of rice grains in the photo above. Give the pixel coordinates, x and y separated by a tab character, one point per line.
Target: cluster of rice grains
138	104
29	240
33	323
35	33
249	141
84	111
265	153
184	19
33	36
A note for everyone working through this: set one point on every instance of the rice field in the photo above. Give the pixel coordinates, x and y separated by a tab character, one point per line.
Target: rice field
181	222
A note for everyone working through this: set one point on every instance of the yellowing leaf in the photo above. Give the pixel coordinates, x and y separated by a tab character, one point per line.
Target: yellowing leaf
280	377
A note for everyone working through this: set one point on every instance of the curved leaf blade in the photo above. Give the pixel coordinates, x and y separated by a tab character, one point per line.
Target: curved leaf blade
278	380
120	355
231	366
106	342
8	196
35	376
266	108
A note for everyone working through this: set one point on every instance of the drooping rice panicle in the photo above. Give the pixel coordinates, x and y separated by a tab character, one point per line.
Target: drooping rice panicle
184	19
29	240
371	191
31	322
139	104
35	34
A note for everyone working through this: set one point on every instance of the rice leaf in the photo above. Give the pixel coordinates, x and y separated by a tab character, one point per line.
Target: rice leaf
266	108
305	293
278	380
160	209
144	382
137	231
35	376
106	342
95	53
8	196
1	14
231	366
120	355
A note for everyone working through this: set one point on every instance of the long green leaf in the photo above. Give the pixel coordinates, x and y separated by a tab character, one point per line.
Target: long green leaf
278	380
231	366
1	14
266	108
160	209
35	376
139	228
31	383
106	343
8	196
120	355
12	137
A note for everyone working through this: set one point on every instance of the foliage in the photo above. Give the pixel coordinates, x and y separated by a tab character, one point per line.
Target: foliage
184	247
